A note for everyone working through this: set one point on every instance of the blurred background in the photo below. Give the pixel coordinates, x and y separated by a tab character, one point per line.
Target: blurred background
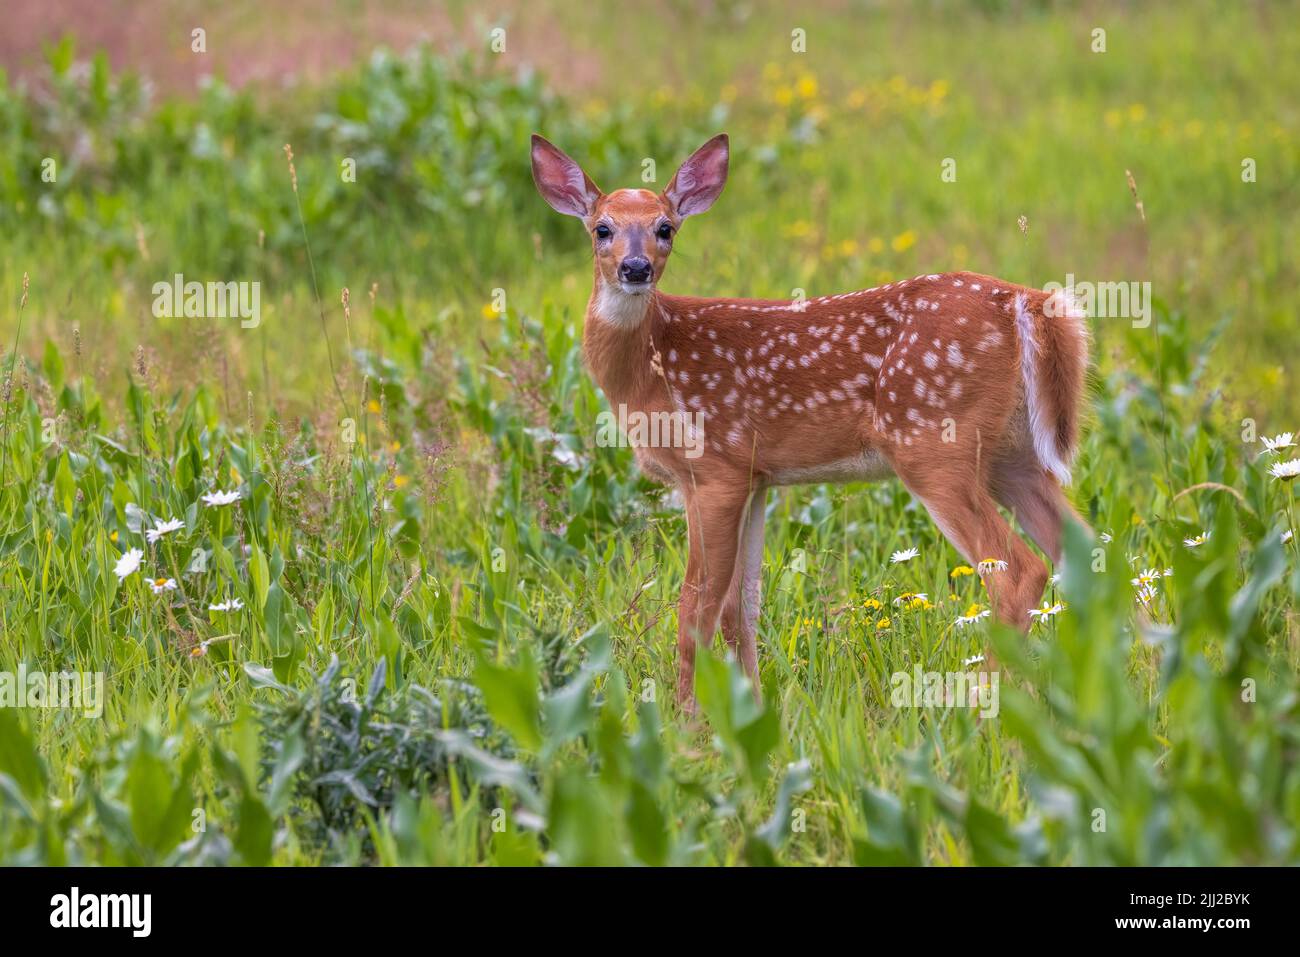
170	160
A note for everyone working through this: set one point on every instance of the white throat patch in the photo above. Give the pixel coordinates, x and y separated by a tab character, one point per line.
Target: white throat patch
622	309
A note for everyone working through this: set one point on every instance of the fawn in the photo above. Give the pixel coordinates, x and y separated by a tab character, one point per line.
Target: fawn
966	387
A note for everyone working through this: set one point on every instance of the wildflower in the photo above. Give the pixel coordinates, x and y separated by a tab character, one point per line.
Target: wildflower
218	498
873	604
160	585
1046	611
128	563
882	624
1286	471
234	604
1105	538
973	614
1145	595
906	555
1055	579
973	660
163	528
987	565
961	571
907	598
1196	542
903	241
112	537
1147	578
1287	536
1278	442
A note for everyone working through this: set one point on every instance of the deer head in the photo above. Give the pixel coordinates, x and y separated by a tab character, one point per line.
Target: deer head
632	230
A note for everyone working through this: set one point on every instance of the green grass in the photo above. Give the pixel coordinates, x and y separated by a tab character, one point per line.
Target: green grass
457	643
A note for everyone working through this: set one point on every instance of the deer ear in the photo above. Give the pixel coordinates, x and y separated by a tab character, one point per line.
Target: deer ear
561	181
699	182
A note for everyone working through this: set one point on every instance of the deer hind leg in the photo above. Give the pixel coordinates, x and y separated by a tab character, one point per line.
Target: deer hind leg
714	516
741	606
969	518
1035	498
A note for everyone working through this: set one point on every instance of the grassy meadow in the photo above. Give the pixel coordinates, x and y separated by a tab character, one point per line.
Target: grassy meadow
444	626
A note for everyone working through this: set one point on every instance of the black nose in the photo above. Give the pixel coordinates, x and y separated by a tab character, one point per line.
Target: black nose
636	269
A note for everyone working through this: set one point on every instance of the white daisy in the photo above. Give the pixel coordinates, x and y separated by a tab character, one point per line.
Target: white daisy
160	585
163	528
906	555
987	565
973	660
1146	579
1286	536
908	597
1200	539
1278	442
1145	595
973	614
234	604
1105	538
219	497
128	563
1055	579
1285	471
1047	611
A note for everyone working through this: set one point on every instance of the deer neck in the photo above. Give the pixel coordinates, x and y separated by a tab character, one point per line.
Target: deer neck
618	339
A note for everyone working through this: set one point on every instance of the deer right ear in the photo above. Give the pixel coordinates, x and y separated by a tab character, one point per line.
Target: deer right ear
561	181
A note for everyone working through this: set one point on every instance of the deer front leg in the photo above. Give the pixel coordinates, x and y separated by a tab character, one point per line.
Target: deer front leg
713	518
741	607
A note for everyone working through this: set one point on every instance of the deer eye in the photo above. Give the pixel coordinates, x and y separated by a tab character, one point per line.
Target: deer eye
665	231
603	231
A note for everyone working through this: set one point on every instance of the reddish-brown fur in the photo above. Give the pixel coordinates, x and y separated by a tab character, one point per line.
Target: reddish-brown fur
920	378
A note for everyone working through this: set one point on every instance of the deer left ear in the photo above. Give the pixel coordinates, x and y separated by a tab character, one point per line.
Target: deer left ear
699	182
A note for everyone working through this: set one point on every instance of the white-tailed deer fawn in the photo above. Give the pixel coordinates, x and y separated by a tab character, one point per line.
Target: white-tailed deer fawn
966	387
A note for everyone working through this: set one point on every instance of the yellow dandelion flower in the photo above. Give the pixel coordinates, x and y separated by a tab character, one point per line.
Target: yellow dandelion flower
807	86
903	241
373	406
882	624
489	311
400	480
961	571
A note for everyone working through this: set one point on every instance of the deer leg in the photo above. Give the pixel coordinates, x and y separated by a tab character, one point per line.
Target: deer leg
969	518
741	607
714	516
1038	503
